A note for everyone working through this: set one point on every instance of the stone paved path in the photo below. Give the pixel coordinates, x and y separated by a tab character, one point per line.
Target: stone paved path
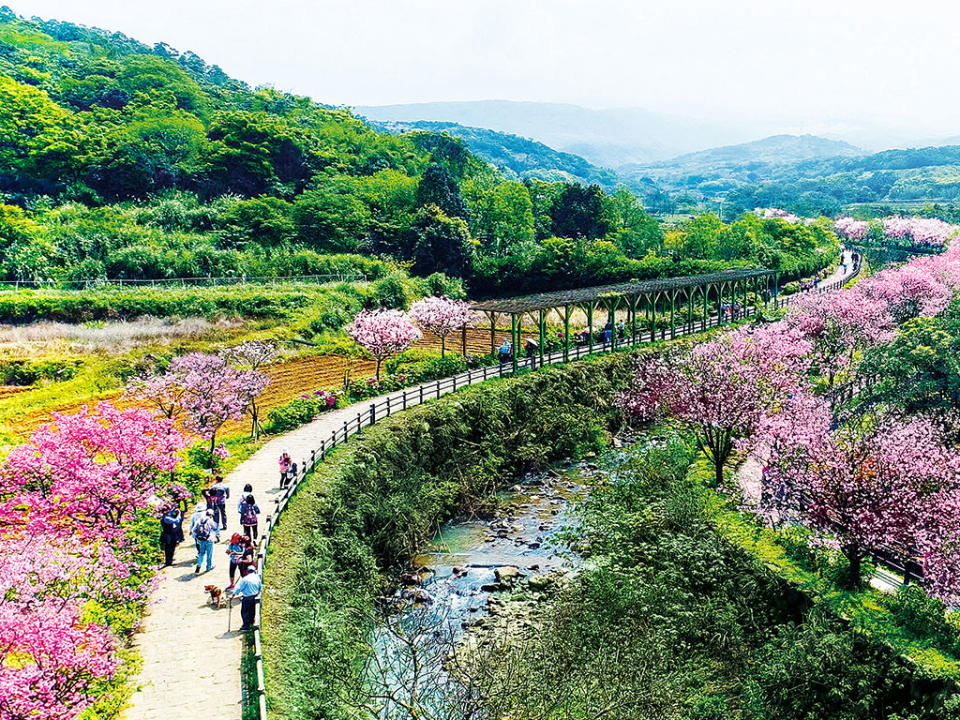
191	663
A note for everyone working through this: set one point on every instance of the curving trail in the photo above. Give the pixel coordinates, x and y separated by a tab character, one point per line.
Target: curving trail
190	662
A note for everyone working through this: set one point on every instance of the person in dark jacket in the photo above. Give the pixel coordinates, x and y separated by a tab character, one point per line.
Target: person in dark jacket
171	533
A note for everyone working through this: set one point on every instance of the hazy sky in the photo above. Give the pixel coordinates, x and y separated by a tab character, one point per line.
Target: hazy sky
815	64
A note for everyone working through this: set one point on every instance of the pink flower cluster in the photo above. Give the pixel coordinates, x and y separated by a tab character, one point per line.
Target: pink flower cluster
383	333
892	482
768	213
850	229
67	563
928	232
441	316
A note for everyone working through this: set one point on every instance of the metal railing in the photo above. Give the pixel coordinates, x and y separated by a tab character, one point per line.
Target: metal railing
411	397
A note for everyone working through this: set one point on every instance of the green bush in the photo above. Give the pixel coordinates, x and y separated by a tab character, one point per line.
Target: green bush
383	495
30	372
299	411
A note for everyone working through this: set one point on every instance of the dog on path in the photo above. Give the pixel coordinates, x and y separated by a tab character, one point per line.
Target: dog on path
216	596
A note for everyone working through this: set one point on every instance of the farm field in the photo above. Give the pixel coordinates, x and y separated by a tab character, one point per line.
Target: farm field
288	379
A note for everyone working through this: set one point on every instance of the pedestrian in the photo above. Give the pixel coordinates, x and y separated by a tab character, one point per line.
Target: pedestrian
235	553
621	331
246	562
171	533
203	535
504	352
247	489
249	517
248	589
531	349
199	514
284	466
290	475
219	494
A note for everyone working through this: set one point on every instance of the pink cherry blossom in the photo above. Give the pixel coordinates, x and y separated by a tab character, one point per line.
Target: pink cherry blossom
383	333
441	316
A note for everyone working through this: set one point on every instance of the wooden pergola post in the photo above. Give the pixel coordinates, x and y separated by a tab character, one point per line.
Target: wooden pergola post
673	302
543	332
689	312
566	333
515	339
590	327
706	313
493	332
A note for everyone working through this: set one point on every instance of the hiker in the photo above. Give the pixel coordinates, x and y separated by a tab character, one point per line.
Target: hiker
246	563
249	512
284	466
199	514
247	489
235	553
290	475
219	494
621	331
531	348
203	535
607	333
504	352
248	588
171	533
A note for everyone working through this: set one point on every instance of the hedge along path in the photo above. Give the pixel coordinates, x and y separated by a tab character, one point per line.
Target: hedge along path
190	662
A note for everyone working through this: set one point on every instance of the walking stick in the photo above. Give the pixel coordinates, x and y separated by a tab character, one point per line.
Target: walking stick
229	611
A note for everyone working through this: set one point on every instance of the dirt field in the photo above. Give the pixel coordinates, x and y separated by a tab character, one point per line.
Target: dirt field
288	379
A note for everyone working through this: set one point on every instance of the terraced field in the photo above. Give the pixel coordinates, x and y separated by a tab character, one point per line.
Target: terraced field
288	379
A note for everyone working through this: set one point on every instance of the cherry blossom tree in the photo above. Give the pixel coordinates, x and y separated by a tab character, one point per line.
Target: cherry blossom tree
870	487
850	229
94	467
204	390
908	291
838	325
52	661
721	389
383	333
925	232
252	355
67	499
441	316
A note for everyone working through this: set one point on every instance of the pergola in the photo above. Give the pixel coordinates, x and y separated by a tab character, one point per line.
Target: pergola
673	295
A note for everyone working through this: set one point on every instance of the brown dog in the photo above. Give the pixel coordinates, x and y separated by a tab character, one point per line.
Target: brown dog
216	595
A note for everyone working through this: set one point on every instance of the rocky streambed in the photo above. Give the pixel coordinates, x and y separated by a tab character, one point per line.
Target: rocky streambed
481	575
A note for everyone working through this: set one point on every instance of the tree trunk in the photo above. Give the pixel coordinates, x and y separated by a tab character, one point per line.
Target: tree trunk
855	561
443	345
379	361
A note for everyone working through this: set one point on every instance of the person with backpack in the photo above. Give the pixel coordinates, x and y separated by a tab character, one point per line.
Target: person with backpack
219	494
249	517
291	474
247	489
203	535
235	552
171	533
285	462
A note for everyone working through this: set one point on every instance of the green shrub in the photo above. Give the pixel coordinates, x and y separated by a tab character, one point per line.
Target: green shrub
299	411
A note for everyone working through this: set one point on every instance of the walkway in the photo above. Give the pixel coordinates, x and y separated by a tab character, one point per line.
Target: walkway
191	663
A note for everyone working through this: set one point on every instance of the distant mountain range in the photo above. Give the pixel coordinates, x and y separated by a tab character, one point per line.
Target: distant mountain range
516	156
727	166
608	138
668	160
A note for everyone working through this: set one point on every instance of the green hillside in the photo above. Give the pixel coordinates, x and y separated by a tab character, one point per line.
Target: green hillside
807	175
120	160
517	157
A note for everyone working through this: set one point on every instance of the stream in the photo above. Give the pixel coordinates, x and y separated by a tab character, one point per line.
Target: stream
460	579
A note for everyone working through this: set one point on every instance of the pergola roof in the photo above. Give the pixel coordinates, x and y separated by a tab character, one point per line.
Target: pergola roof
559	298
